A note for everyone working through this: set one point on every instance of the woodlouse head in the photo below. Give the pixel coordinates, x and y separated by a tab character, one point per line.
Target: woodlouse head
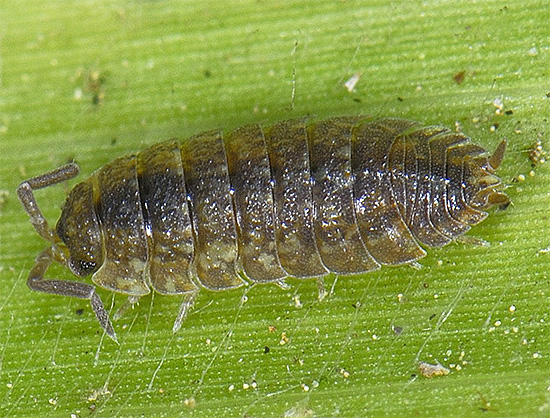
78	228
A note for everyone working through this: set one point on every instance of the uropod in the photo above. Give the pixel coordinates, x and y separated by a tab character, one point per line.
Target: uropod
299	198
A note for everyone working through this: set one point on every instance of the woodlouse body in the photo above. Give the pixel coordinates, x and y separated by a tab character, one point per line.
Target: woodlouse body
299	198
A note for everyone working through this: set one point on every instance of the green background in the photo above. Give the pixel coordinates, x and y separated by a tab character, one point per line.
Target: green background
93	80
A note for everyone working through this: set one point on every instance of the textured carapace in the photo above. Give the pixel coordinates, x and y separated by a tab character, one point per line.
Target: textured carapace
300	198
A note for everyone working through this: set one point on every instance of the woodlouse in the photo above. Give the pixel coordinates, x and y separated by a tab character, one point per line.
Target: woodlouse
299	198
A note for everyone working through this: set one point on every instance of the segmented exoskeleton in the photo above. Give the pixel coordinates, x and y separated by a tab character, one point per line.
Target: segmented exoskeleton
300	198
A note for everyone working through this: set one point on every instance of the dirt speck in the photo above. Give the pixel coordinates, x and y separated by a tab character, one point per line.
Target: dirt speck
458	78
432	370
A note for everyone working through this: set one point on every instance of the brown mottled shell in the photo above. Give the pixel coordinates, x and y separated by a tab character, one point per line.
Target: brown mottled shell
298	198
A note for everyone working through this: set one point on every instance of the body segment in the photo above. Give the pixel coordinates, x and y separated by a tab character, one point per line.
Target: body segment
163	197
120	215
300	198
250	178
205	167
335	223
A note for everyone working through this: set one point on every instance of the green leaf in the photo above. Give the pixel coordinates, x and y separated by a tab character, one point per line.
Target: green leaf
93	80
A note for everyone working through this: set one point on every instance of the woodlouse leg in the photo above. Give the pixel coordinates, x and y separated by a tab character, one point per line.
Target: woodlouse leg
322	289
185	307
415	265
26	196
130	302
282	284
37	282
473	241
